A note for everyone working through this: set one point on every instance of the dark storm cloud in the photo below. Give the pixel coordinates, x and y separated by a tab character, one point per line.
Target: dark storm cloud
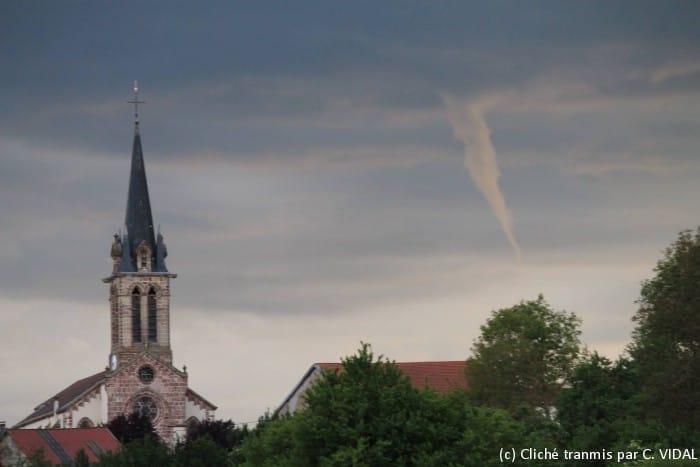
351	87
304	171
230	76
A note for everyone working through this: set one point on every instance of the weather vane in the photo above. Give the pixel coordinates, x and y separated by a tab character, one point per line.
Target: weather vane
136	102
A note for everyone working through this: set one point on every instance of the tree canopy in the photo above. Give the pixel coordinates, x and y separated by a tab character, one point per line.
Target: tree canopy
523	356
369	414
666	343
598	405
132	427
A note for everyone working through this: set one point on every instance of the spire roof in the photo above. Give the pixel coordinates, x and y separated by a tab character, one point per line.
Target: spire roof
139	219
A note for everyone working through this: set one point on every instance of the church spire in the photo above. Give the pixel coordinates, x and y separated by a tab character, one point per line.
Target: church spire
139	220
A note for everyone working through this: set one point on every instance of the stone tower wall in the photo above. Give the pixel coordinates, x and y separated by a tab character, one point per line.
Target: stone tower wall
121	315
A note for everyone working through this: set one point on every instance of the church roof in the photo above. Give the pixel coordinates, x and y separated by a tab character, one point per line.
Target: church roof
64	398
61	445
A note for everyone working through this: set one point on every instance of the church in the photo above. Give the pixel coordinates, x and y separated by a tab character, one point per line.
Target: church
140	376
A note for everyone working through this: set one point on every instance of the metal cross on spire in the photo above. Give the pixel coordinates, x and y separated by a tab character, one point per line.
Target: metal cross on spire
136	103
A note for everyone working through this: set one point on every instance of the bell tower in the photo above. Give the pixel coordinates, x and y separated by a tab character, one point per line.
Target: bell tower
140	281
141	377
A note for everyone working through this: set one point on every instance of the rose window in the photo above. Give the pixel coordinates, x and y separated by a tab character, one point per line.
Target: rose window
146	407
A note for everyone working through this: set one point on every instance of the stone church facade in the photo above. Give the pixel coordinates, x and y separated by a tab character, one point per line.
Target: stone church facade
140	376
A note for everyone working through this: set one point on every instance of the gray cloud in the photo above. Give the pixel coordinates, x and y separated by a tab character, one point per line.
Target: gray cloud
303	169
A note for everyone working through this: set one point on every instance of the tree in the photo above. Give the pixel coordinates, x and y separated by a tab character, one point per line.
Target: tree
201	452
222	432
522	358
133	427
598	409
666	340
369	414
140	452
81	459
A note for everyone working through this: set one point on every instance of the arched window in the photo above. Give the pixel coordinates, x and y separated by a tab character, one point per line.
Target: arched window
144	259
136	316
152	316
85	423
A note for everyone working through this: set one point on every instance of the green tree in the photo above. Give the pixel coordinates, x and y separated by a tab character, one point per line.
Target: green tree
201	452
36	459
133	427
142	452
81	459
224	433
598	409
369	414
666	340
522	358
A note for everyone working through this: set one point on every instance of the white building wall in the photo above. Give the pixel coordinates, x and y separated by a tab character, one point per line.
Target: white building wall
104	406
193	410
92	409
41	423
297	400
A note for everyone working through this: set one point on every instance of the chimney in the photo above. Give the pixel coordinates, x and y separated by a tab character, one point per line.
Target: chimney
2	428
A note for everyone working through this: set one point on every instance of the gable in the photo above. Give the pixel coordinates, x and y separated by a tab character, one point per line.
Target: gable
132	366
146	373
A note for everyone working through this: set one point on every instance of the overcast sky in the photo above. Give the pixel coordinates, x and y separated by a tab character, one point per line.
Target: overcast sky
326	173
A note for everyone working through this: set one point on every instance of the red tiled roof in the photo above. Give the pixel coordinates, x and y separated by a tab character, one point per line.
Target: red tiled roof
441	377
64	397
57	444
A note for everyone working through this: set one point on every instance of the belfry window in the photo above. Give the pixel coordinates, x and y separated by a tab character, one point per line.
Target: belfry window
136	316
152	316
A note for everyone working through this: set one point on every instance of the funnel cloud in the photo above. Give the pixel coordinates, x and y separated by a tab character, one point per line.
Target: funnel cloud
469	127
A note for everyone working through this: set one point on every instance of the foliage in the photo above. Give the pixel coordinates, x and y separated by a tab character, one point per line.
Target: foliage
201	452
522	358
133	427
142	452
37	459
224	433
369	414
81	459
666	343
599	407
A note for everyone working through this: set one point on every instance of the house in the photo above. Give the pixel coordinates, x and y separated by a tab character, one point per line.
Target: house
441	377
57	445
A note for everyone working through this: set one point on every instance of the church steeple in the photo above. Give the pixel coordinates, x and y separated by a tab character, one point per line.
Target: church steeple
140	281
142	250
139	220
